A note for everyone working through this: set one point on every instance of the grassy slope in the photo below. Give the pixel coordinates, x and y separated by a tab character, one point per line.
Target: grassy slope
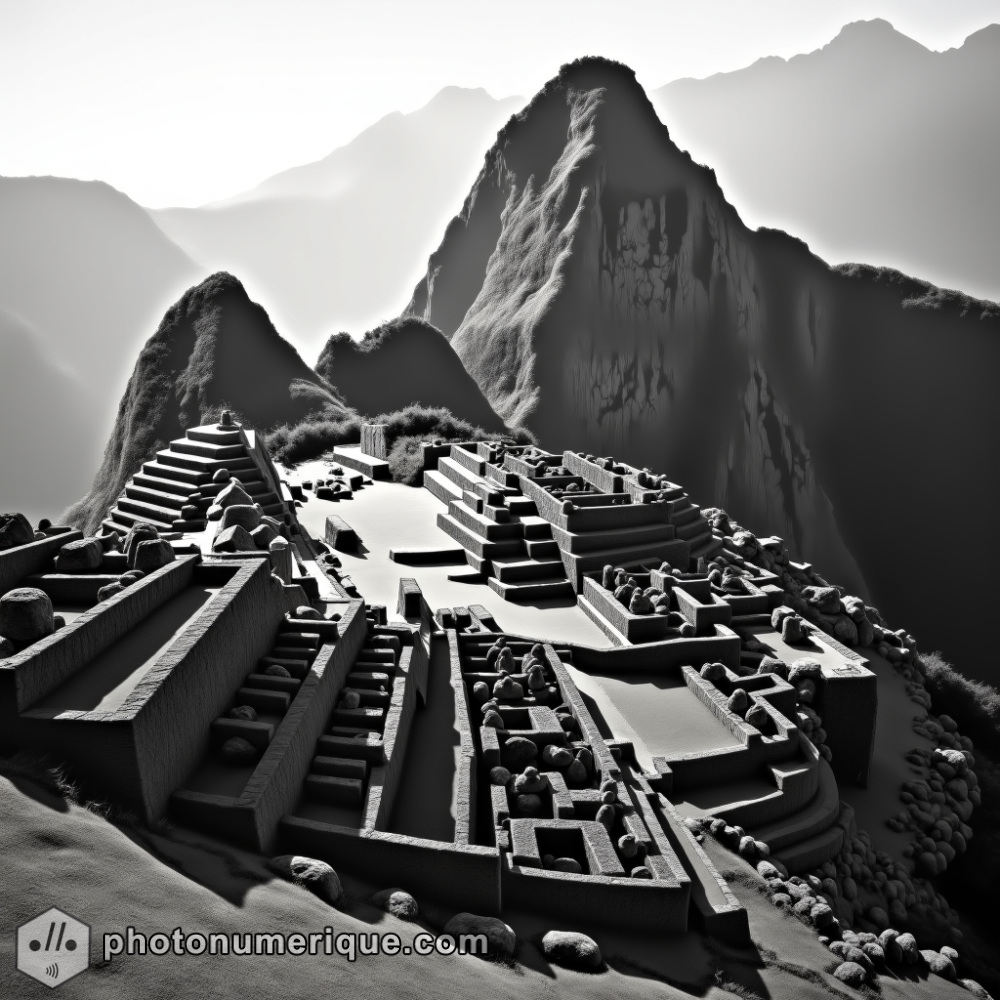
60	854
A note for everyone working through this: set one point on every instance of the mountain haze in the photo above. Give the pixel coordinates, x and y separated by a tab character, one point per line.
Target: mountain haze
338	243
872	147
601	290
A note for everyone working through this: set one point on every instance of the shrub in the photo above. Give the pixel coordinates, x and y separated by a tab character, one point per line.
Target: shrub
406	461
311	439
973	705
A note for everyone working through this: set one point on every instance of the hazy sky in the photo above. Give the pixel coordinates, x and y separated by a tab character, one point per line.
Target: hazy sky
187	101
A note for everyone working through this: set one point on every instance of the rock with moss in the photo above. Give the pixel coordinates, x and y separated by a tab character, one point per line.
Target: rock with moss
851	974
398	902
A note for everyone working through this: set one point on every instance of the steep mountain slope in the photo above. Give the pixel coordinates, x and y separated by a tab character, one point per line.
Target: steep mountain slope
85	267
327	245
600	289
872	148
402	362
214	349
49	443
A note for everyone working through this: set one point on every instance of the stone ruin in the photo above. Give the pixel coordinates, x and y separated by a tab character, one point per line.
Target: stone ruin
290	715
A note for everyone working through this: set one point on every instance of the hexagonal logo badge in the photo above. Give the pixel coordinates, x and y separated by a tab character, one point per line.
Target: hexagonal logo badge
53	947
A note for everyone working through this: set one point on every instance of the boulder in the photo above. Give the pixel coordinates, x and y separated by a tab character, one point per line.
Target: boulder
262	535
824	599
14	530
277	670
493	719
640	604
791	630
531	782
350	699
109	590
518	752
908	945
316	876
975	989
499	776
851	974
628	846
151	554
939	964
569	865
233	495
245	515
845	630
246	713
536	678
713	672
575	774
500	937
769	665
557	757
481	691
738	701
26	615
234	539
640	871
238	752
804	669
757	716
141	531
82	556
397	902
571	948
606	816
529	804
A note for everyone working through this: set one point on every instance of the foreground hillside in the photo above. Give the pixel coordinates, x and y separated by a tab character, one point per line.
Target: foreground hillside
602	291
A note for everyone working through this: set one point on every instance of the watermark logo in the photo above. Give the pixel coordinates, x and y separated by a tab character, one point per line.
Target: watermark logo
53	947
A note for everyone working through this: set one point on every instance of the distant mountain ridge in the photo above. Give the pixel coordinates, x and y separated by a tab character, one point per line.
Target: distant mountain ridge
602	290
872	148
336	244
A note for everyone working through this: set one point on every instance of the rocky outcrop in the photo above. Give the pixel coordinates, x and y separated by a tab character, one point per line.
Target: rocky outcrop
213	350
401	362
603	292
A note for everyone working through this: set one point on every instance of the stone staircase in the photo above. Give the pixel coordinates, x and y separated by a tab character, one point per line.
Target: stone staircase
353	742
503	537
174	491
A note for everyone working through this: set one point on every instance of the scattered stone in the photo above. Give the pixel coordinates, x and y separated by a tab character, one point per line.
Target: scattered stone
151	554
803	669
531	782
939	964
317	876
529	805
641	871
237	751
141	531
713	672
221	476
263	535
769	665
234	496
737	702
878	917
518	752
571	948
576	774
26	615
499	776
481	691
493	719
851	974
555	756
908	945
792	632
82	556
757	716
15	529
234	539
397	902
350	699
245	712
245	515
569	865
277	670
536	678
500	937
628	846
109	590
606	816
975	989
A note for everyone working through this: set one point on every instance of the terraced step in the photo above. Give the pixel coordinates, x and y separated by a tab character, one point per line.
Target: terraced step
177	473
535	527
531	590
359	718
110	525
214	435
181	488
147	511
128	518
200	463
467	460
474	543
542	548
440	486
509	570
458	474
187	446
693	529
334	789
341	767
269	683
159	498
485	527
364	745
705	546
675	552
683	512
255	487
602	539
521	506
275	702
373	679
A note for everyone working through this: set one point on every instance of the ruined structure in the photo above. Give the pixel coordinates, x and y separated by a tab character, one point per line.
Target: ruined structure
207	658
